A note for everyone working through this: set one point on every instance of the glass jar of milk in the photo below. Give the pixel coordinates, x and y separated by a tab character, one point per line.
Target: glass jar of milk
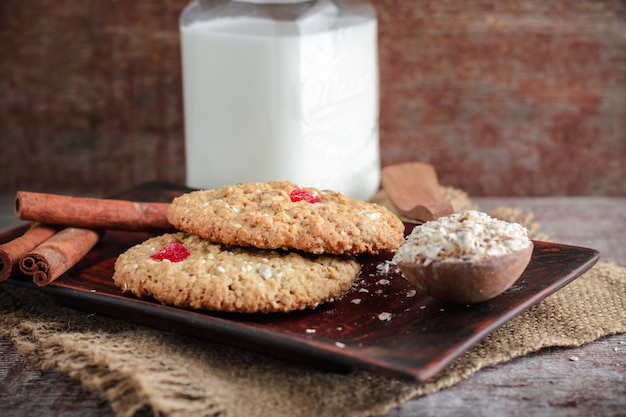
281	90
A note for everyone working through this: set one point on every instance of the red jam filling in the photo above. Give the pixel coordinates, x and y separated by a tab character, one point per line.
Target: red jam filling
304	195
173	252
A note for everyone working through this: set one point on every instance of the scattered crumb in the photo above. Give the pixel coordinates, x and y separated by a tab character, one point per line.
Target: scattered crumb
384	316
383	268
573	358
340	345
383	282
310	330
363	290
411	293
356	301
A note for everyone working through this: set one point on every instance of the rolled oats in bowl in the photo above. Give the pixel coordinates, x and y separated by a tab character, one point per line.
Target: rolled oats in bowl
465	258
470	235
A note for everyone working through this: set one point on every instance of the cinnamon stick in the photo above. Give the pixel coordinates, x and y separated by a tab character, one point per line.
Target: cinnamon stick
92	213
59	253
11	252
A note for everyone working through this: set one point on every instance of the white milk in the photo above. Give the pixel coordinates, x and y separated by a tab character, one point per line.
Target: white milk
261	106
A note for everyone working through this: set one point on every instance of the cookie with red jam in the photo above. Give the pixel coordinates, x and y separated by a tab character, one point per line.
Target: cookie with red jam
188	271
282	215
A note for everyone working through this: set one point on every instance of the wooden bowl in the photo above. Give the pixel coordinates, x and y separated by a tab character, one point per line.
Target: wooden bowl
468	282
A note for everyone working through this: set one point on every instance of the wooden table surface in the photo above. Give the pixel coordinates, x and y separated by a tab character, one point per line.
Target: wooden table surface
547	383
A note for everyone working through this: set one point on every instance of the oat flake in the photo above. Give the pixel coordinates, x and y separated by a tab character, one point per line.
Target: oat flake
384	316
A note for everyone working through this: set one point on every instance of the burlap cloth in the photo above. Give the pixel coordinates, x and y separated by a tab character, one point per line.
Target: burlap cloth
135	367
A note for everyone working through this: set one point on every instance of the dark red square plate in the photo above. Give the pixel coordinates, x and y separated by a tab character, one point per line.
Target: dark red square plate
381	325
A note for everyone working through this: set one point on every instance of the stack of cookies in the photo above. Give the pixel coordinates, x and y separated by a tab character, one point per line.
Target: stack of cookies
258	247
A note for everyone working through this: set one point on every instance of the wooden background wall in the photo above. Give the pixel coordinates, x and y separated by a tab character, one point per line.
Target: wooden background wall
503	97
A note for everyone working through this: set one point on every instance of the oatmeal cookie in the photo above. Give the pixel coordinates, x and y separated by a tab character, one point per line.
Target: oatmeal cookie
211	276
278	215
